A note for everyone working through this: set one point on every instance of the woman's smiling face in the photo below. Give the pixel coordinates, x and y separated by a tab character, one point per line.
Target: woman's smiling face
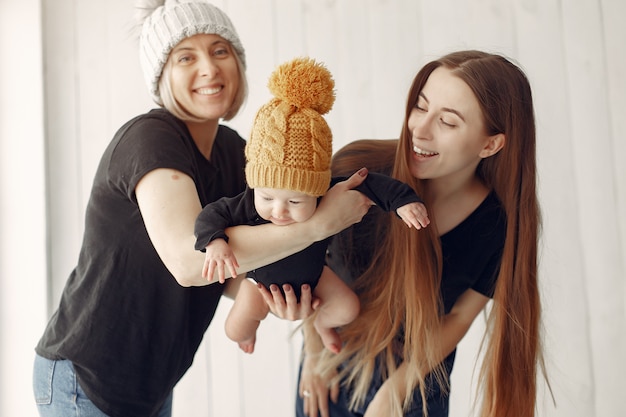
204	75
447	127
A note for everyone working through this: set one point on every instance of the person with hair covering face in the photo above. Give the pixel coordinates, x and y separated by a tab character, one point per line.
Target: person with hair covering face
135	308
467	147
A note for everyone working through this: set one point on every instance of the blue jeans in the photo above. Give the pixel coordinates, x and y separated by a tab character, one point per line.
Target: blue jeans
58	393
436	407
437	402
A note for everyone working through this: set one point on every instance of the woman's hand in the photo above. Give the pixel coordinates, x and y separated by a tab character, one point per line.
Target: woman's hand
341	207
314	390
287	307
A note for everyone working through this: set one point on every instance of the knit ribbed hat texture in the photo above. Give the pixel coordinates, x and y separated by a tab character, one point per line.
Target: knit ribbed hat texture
290	146
171	22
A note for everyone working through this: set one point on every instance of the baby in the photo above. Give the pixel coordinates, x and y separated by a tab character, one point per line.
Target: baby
288	169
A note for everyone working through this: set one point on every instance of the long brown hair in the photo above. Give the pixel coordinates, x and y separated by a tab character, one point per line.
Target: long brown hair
393	300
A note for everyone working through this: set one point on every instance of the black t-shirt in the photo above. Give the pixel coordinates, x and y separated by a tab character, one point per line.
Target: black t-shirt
129	328
471	251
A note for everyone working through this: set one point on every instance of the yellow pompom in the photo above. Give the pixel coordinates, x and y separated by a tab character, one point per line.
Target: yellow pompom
304	83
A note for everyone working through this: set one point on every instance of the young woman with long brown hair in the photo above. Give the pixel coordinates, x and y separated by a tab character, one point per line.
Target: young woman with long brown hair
468	147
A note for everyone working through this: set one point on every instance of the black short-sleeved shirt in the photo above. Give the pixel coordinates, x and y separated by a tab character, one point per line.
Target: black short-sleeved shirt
304	267
471	251
130	330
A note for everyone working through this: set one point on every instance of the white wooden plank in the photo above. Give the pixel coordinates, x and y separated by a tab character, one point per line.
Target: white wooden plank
613	14
253	22
92	89
591	133
288	30
127	94
540	52
394	54
65	210
349	62
23	195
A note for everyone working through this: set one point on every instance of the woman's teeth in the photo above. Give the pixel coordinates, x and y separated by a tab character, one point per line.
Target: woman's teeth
423	152
209	91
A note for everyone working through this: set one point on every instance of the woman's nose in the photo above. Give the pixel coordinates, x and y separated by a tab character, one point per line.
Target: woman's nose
421	126
208	67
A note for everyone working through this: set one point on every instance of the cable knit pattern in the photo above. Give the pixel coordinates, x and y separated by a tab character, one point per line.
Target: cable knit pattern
290	146
166	23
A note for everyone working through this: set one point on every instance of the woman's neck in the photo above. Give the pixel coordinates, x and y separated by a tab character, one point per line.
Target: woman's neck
203	134
451	203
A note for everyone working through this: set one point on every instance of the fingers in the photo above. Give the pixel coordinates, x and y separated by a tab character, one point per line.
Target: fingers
422	215
267	296
357	178
307	303
219	266
315	396
232	267
292	302
284	304
414	215
334	392
205	271
274	299
278	302
315	402
211	270
341	207
322	402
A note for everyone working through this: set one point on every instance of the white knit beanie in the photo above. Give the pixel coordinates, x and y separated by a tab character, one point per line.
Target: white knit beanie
171	22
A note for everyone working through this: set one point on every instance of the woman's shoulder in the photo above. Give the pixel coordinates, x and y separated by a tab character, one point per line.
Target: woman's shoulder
158	118
229	136
154	123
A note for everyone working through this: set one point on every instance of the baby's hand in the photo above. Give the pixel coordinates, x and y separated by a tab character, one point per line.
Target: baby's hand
414	215
219	255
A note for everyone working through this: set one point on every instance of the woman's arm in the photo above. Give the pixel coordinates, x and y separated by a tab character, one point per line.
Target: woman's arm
340	208
455	325
169	205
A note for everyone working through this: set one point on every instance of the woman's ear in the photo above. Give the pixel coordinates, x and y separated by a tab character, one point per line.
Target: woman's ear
493	146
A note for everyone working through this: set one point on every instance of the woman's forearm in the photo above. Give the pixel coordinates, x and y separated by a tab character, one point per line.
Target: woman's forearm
257	246
341	207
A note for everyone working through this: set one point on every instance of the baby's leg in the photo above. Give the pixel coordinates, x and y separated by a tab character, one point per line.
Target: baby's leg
245	316
339	306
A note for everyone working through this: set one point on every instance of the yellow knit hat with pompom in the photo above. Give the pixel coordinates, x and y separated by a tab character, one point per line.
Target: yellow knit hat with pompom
290	146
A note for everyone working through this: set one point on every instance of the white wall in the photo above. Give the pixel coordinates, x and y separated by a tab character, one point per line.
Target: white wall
23	242
572	52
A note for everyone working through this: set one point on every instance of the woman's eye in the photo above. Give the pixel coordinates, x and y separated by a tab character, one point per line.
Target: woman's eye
447	123
221	52
184	58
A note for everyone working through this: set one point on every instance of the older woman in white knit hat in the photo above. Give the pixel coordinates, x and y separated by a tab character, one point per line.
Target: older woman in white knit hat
135	308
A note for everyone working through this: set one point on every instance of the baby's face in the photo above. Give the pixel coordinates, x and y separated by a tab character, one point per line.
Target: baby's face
283	207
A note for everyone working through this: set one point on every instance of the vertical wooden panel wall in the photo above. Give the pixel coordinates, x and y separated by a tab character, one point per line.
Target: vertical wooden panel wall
573	55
